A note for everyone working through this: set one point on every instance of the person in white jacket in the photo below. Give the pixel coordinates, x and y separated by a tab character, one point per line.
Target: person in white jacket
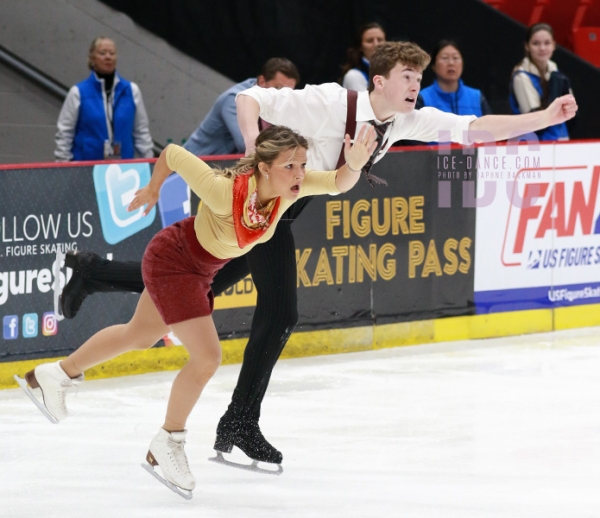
104	115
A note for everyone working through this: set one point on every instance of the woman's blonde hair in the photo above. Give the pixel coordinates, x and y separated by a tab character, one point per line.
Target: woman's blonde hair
269	144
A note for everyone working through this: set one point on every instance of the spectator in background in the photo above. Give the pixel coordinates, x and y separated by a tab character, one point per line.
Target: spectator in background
218	133
356	69
448	92
536	81
104	115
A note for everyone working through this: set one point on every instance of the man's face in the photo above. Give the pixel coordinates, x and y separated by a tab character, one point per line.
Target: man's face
401	88
278	81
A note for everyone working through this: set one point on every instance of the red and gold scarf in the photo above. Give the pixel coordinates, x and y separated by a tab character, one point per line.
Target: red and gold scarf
249	222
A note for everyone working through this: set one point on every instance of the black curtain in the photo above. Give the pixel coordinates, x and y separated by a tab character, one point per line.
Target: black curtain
236	37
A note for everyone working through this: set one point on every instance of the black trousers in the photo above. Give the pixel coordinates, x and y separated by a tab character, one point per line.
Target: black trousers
273	269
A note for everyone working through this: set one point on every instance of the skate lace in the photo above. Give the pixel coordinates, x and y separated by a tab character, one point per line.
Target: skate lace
179	458
61	393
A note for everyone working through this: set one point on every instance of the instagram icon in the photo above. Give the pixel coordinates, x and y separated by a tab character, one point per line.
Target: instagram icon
49	324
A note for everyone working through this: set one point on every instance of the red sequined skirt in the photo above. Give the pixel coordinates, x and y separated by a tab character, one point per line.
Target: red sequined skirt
178	273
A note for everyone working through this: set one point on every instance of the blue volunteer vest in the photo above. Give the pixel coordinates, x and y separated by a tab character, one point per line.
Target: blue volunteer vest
91	130
465	101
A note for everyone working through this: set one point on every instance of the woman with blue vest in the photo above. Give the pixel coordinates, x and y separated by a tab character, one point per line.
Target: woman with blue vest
536	81
448	92
356	69
104	115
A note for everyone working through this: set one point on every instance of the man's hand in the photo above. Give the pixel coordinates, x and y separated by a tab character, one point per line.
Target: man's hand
561	110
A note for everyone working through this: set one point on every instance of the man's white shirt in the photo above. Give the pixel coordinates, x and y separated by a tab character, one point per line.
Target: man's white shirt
318	113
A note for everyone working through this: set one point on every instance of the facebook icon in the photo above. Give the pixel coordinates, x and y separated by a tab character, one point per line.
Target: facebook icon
10	327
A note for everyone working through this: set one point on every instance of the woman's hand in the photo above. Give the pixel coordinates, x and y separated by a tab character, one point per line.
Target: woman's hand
145	196
358	154
149	195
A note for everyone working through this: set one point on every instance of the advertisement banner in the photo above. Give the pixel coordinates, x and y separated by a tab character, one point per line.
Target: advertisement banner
382	254
387	254
45	210
538	227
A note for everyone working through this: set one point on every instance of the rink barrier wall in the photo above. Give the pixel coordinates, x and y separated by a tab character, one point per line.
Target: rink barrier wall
335	341
353	250
407	282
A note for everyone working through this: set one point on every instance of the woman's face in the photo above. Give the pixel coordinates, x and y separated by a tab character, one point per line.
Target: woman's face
285	174
104	57
448	66
540	47
371	38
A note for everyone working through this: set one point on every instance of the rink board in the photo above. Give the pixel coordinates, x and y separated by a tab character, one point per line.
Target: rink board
538	227
373	255
333	341
377	267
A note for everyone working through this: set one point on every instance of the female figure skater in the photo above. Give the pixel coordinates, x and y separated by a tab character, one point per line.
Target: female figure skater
241	208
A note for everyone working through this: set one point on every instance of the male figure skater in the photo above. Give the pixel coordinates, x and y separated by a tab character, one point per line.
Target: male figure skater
321	113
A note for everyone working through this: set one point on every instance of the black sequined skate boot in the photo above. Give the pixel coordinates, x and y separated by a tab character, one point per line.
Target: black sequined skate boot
252	442
78	287
226	431
244	432
93	274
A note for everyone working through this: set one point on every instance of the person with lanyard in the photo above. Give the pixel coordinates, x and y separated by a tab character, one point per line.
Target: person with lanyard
241	208
103	116
448	92
355	72
536	80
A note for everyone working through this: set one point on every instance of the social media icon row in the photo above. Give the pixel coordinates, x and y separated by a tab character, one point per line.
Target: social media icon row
29	327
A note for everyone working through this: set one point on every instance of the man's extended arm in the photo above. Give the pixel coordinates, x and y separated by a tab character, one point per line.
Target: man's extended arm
501	127
248	111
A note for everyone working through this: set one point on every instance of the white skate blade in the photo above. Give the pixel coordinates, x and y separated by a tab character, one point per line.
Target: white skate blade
56	265
188	495
23	384
219	459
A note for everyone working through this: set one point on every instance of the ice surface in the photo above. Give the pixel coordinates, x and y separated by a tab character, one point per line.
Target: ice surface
486	428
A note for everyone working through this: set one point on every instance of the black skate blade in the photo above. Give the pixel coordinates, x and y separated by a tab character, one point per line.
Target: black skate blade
188	495
23	384
219	459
